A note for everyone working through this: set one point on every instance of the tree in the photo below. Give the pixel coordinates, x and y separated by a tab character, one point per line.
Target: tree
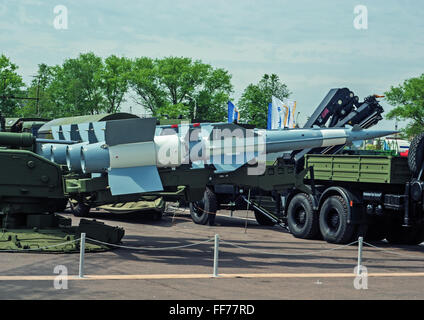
11	85
114	81
71	89
213	97
85	85
165	86
408	100
173	111
144	80
253	104
41	87
81	80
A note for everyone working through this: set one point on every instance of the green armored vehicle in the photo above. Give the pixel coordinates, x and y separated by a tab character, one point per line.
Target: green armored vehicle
31	191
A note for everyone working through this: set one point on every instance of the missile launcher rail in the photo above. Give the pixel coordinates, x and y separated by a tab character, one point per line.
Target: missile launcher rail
381	196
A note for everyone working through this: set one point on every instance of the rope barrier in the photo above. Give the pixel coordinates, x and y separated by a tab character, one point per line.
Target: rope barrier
150	249
289	254
383	250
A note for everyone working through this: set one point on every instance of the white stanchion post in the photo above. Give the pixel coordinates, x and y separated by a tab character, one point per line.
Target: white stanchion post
360	245
82	251
215	257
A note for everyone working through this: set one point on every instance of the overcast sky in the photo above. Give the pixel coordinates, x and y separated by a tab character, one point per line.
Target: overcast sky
312	46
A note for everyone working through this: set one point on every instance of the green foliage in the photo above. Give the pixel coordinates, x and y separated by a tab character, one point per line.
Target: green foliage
11	85
163	84
80	86
80	81
41	87
144	80
253	104
408	100
173	111
115	81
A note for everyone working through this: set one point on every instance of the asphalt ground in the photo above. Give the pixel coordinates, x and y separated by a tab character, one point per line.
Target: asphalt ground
255	263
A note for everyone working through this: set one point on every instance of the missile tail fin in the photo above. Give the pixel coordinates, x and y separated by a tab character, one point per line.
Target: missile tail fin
129	131
134	180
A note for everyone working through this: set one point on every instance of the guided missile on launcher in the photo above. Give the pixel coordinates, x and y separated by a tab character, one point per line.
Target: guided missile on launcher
131	151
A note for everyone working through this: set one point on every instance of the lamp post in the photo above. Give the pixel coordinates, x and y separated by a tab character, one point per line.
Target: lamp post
195	105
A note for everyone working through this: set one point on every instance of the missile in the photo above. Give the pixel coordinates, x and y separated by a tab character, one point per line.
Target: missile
65	149
298	139
131	151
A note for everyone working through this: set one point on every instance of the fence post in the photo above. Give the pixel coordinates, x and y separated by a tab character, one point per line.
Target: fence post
360	245
215	257
82	251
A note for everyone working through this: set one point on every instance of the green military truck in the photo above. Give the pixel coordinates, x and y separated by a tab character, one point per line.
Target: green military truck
336	197
376	196
323	193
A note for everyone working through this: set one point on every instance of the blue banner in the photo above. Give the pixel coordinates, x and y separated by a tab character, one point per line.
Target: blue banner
233	113
269	119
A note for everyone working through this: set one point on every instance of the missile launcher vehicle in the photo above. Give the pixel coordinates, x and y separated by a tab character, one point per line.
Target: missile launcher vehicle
31	192
121	160
323	193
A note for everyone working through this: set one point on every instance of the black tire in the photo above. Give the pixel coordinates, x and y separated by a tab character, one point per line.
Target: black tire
302	221
262	219
416	154
333	221
204	211
80	210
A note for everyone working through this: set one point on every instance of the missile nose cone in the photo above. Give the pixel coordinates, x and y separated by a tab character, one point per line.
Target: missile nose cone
378	133
369	134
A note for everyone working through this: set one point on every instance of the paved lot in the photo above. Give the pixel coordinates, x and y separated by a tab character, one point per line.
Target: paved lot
289	256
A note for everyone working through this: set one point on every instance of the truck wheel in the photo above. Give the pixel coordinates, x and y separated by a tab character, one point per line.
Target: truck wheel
416	154
303	222
333	221
262	219
204	211
80	209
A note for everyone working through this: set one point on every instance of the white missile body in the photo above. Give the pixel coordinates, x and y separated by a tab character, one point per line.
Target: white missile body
131	151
